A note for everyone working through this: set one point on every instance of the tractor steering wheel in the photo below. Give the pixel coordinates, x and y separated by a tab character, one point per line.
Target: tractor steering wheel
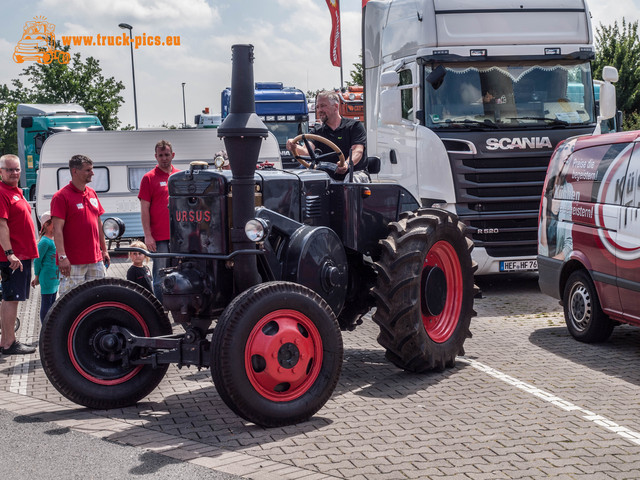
305	137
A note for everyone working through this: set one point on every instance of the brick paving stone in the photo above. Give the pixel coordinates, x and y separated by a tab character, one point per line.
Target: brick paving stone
383	423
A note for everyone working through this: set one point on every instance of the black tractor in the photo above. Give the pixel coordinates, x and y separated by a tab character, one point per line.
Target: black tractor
267	267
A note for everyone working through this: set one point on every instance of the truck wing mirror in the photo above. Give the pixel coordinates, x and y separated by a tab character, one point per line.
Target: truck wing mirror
373	165
619	119
389	79
26	122
38	141
607	101
390	106
610	74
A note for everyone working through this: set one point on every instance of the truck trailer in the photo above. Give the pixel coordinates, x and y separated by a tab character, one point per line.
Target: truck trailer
465	102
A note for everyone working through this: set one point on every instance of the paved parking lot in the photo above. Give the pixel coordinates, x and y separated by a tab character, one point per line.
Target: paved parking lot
525	401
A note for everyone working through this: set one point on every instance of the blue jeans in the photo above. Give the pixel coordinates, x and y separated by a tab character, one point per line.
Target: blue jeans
161	247
46	300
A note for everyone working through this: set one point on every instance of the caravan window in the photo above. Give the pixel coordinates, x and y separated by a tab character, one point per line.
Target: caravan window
135	177
100	181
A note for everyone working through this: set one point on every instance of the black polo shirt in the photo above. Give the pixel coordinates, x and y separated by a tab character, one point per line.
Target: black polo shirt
349	132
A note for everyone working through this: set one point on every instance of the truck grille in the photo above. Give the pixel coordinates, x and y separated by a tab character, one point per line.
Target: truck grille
498	198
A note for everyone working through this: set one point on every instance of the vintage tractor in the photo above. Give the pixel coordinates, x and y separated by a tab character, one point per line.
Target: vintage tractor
267	266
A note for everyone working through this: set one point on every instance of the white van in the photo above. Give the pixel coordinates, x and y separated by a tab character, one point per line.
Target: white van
120	160
589	233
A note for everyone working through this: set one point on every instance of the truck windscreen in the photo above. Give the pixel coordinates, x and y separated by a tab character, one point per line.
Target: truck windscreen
286	130
510	95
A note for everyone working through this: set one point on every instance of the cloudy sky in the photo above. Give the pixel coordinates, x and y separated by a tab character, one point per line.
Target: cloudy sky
291	39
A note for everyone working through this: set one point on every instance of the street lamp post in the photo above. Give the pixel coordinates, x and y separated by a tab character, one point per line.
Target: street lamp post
126	26
184	107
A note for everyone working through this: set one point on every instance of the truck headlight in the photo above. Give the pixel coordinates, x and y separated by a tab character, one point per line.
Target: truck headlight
256	229
113	228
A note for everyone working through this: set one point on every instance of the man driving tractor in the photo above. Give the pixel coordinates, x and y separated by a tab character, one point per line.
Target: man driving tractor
347	134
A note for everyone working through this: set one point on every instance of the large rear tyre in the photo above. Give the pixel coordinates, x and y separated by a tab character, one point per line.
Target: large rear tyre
424	292
276	354
83	359
582	312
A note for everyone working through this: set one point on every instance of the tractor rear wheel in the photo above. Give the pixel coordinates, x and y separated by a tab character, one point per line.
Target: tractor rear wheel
83	357
424	291
276	354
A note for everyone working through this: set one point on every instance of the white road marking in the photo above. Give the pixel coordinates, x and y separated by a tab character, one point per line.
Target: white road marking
20	374
599	420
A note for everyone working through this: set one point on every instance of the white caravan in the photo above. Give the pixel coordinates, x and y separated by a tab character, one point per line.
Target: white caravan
120	159
466	101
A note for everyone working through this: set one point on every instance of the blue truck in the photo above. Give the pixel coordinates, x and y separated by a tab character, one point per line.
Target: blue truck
284	111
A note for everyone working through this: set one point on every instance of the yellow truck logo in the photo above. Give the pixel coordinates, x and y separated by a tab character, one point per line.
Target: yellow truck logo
38	43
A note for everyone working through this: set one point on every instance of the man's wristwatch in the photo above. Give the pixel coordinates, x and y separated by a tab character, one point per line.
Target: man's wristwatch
61	257
8	252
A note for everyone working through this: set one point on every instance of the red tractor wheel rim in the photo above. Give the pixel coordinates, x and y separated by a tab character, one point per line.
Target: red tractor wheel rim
77	339
283	355
440	327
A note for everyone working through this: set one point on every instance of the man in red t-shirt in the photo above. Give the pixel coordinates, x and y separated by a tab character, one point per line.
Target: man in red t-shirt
154	209
77	228
17	248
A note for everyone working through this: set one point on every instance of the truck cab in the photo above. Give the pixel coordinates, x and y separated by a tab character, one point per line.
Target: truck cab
352	102
468	112
283	110
36	122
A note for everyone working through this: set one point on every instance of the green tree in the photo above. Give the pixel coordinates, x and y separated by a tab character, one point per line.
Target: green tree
312	94
619	47
79	81
356	74
11	97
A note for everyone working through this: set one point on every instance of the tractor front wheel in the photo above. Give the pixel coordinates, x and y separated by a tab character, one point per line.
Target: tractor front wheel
424	290
276	354
84	356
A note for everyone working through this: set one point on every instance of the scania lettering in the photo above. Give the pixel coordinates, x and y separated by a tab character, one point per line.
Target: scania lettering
466	101
511	143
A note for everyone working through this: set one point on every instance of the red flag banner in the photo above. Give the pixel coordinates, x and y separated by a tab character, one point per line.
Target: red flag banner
334	41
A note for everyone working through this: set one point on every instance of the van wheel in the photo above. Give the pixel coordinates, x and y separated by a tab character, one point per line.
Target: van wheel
585	319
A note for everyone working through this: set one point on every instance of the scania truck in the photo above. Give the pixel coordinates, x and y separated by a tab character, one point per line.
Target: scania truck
466	101
283	110
36	122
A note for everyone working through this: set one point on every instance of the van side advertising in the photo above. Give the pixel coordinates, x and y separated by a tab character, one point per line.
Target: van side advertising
590	224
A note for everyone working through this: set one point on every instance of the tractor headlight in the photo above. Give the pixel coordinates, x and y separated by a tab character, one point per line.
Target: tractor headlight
256	229
113	228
